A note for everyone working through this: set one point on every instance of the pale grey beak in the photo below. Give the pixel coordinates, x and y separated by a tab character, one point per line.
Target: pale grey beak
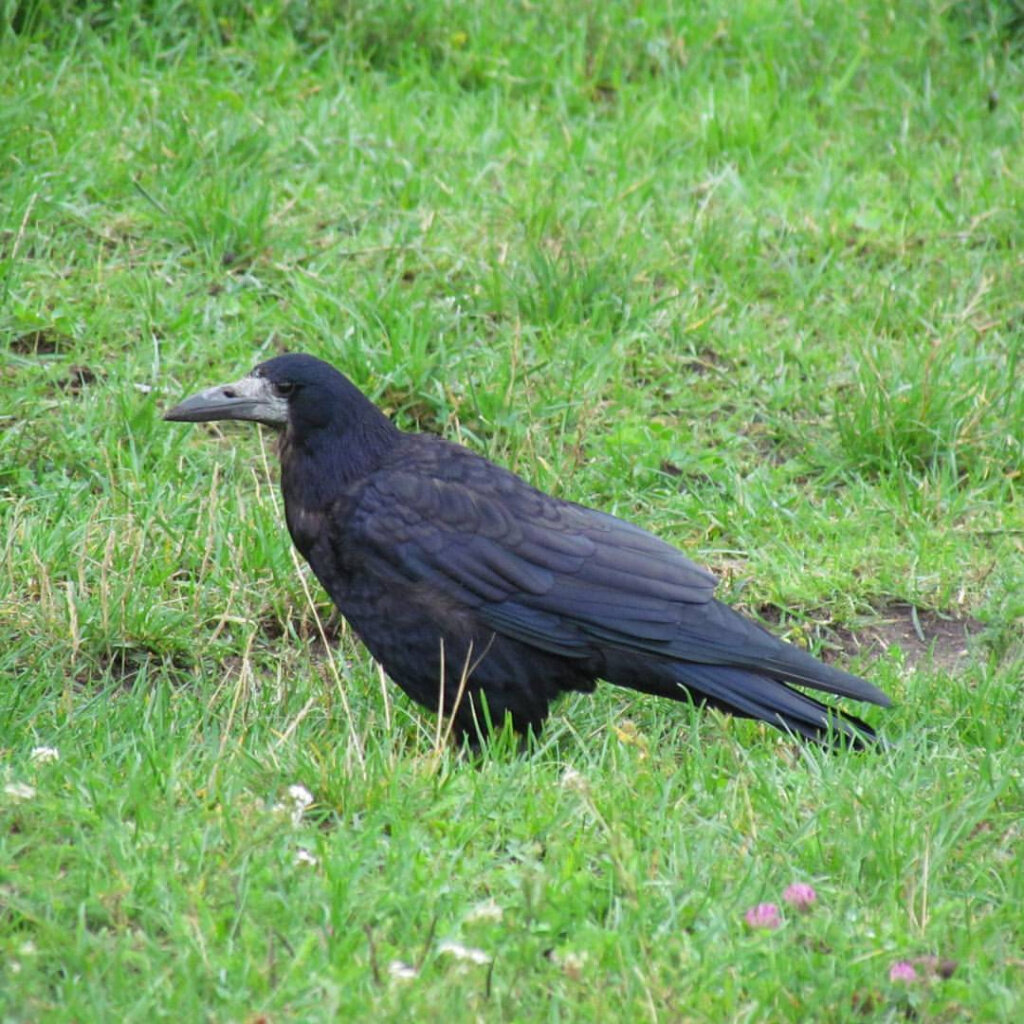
251	398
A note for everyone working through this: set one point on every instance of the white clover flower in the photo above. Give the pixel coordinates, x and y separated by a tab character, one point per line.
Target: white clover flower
19	791
460	952
486	911
574	782
402	971
571	963
299	798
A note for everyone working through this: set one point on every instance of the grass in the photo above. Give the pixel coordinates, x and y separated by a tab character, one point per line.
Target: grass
750	275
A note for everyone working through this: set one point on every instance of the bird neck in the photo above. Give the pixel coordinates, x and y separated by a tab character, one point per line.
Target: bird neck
318	466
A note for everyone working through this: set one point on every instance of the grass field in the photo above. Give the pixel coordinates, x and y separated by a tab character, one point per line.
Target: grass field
749	274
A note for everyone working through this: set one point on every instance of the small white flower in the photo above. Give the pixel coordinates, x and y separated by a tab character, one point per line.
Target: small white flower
42	755
299	798
573	781
303	856
460	952
487	911
401	971
19	790
571	963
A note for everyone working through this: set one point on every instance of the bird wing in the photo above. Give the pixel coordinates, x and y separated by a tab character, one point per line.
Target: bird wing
562	577
551	573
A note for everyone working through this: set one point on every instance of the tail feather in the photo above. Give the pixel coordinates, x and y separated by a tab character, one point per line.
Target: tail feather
770	700
727	638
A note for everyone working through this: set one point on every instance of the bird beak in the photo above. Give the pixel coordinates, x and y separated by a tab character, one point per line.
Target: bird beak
251	398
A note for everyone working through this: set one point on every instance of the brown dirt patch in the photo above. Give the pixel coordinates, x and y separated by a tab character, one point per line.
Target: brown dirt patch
42	342
304	627
707	360
77	380
923	635
123	665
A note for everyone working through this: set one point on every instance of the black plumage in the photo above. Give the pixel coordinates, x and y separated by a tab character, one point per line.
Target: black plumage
453	570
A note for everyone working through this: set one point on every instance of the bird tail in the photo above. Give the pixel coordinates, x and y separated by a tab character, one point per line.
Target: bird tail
749	694
741	691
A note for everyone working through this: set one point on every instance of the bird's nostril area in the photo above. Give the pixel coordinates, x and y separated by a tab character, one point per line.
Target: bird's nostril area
229	393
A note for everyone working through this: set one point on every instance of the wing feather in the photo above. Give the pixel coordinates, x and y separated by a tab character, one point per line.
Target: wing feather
560	576
549	572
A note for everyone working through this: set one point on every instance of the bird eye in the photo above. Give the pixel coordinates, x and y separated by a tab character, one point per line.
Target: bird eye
283	388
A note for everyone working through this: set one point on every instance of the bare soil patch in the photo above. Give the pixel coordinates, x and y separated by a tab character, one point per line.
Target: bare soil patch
42	342
922	634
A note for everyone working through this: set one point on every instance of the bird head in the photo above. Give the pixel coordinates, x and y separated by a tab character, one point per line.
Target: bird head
331	433
299	394
290	389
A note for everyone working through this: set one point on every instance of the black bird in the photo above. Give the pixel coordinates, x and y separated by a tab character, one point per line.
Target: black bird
451	569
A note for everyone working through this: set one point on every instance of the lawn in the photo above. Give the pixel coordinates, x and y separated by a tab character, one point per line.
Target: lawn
748	274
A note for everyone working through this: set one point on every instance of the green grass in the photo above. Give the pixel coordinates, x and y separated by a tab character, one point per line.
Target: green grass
749	274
